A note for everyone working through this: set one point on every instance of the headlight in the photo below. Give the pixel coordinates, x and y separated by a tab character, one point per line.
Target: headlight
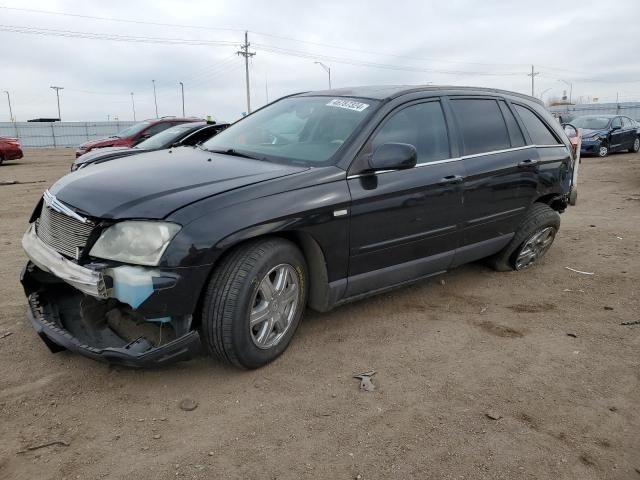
135	241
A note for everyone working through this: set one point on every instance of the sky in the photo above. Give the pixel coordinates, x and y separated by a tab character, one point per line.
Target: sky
490	43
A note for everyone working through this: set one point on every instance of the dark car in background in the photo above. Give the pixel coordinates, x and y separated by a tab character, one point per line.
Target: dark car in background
605	134
186	134
134	134
10	149
314	200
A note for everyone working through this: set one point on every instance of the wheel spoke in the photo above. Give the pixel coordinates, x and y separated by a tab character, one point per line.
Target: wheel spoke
266	287
290	294
259	314
281	279
265	331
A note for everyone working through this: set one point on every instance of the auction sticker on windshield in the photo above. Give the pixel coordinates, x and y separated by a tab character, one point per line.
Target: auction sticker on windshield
348	104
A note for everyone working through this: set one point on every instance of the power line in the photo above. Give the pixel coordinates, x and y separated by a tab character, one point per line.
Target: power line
265	34
113	37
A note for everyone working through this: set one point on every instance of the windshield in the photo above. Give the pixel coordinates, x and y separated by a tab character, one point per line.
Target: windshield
166	138
591	123
301	130
132	130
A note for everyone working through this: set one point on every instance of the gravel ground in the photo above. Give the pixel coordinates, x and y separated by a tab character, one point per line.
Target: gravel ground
543	352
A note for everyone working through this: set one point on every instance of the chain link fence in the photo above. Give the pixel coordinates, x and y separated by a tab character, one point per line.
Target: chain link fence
568	112
59	134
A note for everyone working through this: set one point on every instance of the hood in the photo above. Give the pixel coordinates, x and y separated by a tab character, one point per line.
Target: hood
154	184
103	142
586	132
106	153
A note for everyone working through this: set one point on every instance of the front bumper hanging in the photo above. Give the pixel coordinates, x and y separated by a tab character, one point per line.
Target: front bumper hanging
94	313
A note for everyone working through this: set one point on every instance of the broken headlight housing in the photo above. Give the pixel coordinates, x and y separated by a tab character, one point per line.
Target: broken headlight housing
135	241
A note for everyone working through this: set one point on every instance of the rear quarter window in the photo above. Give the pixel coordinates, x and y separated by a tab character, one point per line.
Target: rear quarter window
481	125
538	130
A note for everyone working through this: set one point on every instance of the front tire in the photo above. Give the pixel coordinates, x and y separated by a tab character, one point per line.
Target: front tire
254	302
531	241
603	151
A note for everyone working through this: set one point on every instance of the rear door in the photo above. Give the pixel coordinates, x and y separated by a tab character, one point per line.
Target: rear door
501	174
629	132
404	222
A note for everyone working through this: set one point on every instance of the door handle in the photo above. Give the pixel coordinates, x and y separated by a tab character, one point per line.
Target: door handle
527	163
451	180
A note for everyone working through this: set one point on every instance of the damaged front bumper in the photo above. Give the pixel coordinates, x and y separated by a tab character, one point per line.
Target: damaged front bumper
128	315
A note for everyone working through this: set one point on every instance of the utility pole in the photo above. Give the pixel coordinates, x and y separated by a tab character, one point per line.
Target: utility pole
532	75
182	89
10	111
244	52
155	99
133	105
326	69
57	89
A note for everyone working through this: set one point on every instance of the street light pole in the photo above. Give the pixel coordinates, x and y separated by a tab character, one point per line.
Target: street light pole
182	90
570	85
10	111
57	89
155	99
133	105
326	69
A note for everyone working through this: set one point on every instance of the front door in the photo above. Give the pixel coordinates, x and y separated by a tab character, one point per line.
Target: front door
404	222
617	136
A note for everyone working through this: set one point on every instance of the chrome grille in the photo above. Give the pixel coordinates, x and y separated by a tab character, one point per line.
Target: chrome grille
63	233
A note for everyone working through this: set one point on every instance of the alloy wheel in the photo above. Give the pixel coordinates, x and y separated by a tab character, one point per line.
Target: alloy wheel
274	306
603	151
535	247
636	145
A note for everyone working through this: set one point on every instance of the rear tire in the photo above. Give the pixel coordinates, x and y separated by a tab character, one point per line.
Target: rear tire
636	146
1	159
254	302
540	220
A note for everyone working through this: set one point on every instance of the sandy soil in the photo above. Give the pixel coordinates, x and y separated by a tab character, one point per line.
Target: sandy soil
447	354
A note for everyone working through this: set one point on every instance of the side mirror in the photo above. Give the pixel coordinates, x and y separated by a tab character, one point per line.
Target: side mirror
394	156
615	127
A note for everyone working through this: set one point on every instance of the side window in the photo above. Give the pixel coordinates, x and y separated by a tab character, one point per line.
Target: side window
421	125
517	139
157	128
199	136
482	126
617	122
626	122
538	131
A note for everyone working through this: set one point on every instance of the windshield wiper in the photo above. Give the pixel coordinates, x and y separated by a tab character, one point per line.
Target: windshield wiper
235	153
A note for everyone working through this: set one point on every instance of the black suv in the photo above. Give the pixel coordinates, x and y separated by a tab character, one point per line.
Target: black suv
317	199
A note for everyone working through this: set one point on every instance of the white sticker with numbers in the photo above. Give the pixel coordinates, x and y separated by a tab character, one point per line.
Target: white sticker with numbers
348	104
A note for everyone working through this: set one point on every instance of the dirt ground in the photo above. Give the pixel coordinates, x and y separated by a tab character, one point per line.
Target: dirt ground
542	351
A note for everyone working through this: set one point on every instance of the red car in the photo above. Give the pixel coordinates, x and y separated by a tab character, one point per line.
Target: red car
10	149
134	134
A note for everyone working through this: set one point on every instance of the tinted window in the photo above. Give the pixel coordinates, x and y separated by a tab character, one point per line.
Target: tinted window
482	126
538	131
617	122
201	135
422	126
626	122
158	127
517	139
